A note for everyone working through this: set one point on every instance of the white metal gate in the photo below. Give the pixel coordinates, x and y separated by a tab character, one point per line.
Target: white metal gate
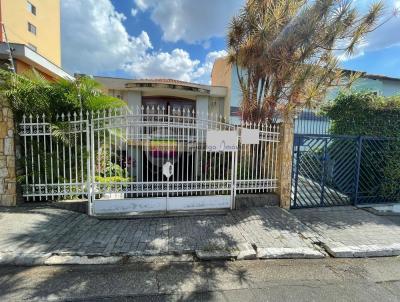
147	160
142	145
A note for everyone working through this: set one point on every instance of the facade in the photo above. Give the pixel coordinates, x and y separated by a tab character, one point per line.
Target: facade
170	150
32	29
177	95
225	74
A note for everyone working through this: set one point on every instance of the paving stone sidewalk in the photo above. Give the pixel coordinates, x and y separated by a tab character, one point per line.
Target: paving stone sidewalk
261	232
44	235
351	232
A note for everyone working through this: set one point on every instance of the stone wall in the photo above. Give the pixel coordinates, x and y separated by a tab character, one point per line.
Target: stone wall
8	183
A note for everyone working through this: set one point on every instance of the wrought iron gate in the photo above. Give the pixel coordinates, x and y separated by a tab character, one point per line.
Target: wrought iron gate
151	159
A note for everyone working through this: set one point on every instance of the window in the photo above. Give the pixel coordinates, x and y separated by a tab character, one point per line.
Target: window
33	47
31	8
32	28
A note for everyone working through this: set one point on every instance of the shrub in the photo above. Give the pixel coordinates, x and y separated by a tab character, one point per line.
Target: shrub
377	118
365	113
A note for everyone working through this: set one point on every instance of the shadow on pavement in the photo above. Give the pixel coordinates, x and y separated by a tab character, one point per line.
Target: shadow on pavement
47	230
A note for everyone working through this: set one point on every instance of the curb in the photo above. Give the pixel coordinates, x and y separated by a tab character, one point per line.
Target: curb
289	253
216	255
38	259
363	251
244	252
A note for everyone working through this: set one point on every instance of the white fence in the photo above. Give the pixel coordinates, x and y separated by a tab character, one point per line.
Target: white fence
122	155
56	156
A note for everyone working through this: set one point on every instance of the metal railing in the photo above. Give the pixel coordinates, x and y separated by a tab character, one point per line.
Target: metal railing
311	122
55	156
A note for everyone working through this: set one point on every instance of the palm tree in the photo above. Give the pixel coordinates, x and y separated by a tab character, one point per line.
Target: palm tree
286	51
32	94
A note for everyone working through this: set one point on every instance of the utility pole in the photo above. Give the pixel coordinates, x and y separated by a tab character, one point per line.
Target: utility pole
11	66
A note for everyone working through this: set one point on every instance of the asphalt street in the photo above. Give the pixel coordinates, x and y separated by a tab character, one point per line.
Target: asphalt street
373	279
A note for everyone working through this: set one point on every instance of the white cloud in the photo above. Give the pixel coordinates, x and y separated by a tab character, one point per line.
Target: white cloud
141	4
203	72
134	12
177	65
191	20
95	40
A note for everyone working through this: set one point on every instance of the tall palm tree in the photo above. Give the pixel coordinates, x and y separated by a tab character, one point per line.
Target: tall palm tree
286	51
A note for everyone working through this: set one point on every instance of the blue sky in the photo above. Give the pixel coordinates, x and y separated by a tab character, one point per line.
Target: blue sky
181	38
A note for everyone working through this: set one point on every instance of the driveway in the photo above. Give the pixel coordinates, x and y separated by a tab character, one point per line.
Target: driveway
352	232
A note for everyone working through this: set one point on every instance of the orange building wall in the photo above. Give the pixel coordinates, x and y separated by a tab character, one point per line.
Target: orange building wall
22	67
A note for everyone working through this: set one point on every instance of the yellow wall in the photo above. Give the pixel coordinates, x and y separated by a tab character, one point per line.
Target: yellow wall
221	75
15	16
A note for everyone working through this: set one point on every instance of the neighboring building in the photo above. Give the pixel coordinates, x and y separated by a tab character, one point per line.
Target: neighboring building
26	59
35	23
167	92
226	75
379	84
33	30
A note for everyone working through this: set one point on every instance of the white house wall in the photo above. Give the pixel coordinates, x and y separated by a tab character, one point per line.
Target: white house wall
391	87
134	98
202	104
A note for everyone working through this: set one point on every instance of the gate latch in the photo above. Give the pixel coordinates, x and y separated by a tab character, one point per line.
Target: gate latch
168	169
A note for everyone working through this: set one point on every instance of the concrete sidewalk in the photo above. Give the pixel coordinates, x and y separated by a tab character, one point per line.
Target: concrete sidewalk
44	235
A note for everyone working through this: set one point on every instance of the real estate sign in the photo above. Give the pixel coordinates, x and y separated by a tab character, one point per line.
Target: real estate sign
222	141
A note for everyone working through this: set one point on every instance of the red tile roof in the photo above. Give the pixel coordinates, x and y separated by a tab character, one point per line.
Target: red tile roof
167	81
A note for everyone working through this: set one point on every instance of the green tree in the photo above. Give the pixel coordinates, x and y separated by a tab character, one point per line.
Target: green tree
286	51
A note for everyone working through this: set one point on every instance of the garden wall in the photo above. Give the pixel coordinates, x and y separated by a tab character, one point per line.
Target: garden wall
8	184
